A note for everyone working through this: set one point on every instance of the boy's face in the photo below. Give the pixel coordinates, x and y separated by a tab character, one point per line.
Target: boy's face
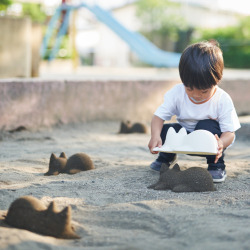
200	95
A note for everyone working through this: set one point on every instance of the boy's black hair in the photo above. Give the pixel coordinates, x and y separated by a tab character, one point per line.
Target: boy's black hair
201	65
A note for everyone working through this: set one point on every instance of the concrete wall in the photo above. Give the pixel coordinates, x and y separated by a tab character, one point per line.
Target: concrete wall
19	47
15	47
239	91
36	41
39	103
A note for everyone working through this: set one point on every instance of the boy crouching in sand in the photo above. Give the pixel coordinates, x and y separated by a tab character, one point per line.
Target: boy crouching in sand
198	103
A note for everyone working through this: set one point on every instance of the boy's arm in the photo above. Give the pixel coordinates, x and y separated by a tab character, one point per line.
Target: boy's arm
224	141
156	127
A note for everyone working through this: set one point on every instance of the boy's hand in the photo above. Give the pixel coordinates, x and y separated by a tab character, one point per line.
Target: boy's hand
220	148
154	142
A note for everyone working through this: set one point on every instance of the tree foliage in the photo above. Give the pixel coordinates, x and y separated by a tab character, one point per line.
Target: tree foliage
234	42
34	11
4	4
158	15
161	19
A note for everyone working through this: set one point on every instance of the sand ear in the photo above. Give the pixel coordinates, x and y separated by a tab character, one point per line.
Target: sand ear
52	157
176	167
164	167
66	212
52	207
63	155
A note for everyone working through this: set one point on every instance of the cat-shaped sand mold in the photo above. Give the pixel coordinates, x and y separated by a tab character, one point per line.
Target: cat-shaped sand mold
127	127
74	164
194	179
29	213
200	142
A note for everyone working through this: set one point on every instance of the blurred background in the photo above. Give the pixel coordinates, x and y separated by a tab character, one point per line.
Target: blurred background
40	38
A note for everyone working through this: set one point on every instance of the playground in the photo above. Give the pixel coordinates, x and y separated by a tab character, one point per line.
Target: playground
112	208
80	110
146	51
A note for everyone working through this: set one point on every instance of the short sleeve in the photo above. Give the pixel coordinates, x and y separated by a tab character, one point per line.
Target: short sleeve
228	119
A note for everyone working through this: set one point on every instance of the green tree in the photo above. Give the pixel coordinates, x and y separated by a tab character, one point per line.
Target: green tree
34	11
234	42
4	4
161	19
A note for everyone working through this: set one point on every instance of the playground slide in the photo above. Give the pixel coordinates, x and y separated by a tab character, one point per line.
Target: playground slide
145	50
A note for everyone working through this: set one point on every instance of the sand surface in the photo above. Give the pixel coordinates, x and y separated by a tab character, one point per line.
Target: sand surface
111	205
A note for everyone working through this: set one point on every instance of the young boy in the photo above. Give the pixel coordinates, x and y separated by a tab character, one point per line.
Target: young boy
198	103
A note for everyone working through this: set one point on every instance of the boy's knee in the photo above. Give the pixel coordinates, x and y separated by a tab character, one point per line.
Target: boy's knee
209	125
205	123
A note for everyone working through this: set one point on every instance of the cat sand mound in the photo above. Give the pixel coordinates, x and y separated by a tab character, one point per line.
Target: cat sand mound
75	164
29	213
194	179
128	128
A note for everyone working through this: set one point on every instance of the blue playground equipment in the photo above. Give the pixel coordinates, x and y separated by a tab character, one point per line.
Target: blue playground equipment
146	51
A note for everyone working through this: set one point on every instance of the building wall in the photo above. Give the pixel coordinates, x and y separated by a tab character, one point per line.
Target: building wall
201	17
111	49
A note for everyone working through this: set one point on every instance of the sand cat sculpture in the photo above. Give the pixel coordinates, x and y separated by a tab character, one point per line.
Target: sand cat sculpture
18	129
29	213
127	127
74	164
195	179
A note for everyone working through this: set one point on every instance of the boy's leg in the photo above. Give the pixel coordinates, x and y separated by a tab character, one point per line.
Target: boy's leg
217	170
165	157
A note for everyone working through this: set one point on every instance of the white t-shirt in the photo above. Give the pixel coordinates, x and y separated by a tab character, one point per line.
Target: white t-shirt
219	107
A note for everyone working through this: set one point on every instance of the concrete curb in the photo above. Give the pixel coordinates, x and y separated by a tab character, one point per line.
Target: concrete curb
36	103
